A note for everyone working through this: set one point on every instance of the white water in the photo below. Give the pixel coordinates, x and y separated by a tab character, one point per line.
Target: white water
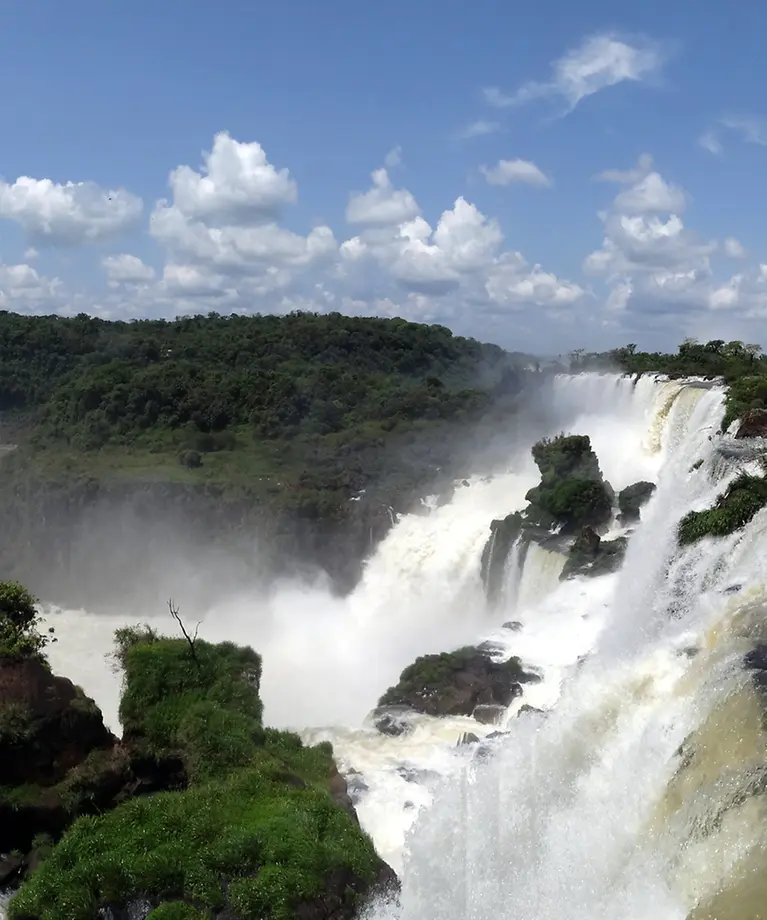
558	822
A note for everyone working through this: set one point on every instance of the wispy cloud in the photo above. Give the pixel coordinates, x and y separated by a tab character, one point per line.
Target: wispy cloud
709	141
393	158
751	128
627	176
479	128
600	61
507	171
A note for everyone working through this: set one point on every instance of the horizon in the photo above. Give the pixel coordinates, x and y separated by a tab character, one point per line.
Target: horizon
545	179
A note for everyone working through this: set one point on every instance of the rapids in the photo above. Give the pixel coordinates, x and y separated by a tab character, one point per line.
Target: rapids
628	796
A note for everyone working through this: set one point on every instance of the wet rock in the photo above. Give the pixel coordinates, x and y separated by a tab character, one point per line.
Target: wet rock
590	555
10	869
455	683
753	424
524	709
392	721
732	589
489	714
632	499
513	625
416	775
467	738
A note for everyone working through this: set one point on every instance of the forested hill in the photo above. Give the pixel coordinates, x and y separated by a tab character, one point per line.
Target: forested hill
90	382
230	425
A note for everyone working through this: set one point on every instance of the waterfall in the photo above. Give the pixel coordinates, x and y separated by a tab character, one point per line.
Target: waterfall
630	794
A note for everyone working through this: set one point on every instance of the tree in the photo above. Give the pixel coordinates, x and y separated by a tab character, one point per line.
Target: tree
20	636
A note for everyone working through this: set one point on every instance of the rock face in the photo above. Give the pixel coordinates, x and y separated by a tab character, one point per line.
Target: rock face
591	555
632	498
456	683
47	724
753	424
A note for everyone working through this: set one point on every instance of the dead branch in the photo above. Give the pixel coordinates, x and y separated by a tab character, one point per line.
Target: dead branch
190	639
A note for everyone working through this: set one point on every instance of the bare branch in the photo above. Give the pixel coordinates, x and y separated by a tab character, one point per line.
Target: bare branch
190	639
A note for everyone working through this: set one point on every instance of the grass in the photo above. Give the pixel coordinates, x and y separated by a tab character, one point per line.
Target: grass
736	506
253	841
255	831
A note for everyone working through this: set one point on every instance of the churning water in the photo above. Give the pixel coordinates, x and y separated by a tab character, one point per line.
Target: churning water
631	794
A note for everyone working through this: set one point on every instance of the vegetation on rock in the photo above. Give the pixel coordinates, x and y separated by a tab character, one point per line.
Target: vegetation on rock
741	366
258	828
20	636
736	506
572	493
590	555
456	683
632	498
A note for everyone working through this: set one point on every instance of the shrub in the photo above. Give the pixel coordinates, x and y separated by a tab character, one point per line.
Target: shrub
734	508
20	636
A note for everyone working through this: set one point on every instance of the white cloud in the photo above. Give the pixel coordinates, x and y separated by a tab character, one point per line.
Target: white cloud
127	269
382	204
24	290
69	213
600	61
751	128
628	176
393	158
239	185
651	195
479	128
734	248
507	171
31	254
710	141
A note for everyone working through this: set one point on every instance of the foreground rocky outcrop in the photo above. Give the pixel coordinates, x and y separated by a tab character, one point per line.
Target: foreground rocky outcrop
632	499
465	682
590	555
753	424
198	812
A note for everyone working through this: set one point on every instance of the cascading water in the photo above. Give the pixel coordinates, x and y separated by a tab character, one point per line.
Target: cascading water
585	810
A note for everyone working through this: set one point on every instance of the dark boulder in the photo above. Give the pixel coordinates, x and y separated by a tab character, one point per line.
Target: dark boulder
590	555
753	424
455	683
632	498
47	724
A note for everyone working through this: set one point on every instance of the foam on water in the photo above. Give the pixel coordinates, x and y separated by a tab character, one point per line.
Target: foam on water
558	820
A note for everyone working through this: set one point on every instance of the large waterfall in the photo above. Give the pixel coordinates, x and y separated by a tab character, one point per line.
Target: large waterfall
631	794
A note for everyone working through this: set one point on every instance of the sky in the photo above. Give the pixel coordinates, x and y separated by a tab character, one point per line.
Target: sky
546	176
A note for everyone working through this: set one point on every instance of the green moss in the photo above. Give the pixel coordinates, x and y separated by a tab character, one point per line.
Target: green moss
591	556
266	842
164	682
743	394
432	675
177	910
572	493
735	507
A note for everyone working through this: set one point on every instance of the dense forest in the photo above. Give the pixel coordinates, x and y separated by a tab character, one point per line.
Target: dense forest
291	415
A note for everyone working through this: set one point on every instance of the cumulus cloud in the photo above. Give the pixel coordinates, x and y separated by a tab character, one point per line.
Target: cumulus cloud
382	204
651	261
709	140
507	171
24	290
237	184
734	248
127	269
70	213
600	61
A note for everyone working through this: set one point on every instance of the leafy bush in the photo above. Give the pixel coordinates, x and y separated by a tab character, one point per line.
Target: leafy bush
20	636
738	504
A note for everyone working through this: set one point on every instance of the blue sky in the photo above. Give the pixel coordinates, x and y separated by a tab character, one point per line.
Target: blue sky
547	177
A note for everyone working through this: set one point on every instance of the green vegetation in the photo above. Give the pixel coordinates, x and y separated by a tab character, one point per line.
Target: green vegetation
735	507
20	636
248	423
454	683
256	831
591	556
742	367
572	493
